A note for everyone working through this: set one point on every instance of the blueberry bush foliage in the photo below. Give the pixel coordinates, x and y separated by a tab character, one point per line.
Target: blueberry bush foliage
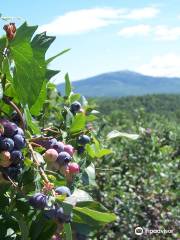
48	146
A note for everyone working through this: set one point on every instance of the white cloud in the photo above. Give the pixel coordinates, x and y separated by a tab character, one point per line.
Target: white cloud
143	13
163	65
85	20
167	33
141	30
159	32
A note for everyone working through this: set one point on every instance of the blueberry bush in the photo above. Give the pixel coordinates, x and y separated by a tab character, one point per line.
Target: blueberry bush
48	146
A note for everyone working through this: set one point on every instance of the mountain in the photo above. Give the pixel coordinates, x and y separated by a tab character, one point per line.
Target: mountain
124	83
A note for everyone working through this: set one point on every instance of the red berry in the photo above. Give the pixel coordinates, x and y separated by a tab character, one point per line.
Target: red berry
73	168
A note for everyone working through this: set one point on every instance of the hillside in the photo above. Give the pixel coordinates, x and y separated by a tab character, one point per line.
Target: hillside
124	83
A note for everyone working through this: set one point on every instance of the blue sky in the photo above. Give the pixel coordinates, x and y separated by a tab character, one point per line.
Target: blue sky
106	35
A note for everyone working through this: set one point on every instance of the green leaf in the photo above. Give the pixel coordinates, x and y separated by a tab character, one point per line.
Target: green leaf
30	122
68	231
57	55
29	72
103	152
51	73
68	87
78	196
22	225
74	97
78	123
89	175
96	216
36	108
115	134
40	44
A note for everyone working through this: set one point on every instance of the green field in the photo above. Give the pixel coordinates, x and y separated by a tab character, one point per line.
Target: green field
139	182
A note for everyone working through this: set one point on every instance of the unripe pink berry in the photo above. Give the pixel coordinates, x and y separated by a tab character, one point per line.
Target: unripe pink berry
73	168
5	159
69	149
50	155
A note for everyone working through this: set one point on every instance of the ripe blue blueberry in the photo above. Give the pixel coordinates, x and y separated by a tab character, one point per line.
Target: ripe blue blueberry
75	107
10	129
19	141
63	158
83	139
63	190
16	156
20	131
38	201
6	144
58	146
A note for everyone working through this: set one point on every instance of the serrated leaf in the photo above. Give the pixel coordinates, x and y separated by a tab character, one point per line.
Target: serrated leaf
115	134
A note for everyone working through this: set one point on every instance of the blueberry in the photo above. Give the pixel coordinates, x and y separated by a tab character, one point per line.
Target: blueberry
63	190
50	155
69	149
75	107
38	201
16	156
19	141
20	131
63	158
61	216
58	146
10	129
50	214
80	149
83	139
6	144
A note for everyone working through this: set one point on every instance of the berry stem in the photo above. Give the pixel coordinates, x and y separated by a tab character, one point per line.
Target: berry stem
42	173
8	101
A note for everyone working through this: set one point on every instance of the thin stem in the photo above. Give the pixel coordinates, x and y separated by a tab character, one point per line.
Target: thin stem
42	173
13	105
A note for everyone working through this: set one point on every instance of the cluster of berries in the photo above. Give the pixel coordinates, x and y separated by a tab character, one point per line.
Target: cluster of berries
56	212
12	141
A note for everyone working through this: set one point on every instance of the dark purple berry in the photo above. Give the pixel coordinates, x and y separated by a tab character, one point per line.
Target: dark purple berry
80	149
6	144
63	190
58	146
10	129
75	107
61	216
16	156
63	158
84	139
39	201
19	141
